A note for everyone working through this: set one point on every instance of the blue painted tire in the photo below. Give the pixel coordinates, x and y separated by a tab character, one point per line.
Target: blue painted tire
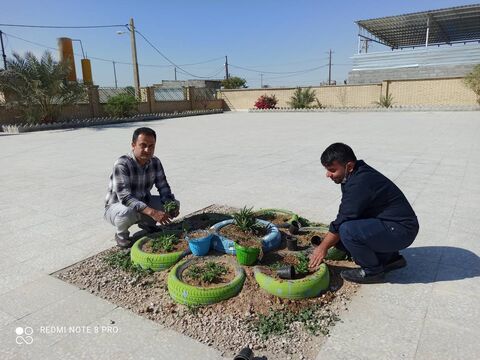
220	243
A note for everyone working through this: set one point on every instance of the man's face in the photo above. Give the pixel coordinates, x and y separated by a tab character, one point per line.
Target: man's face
337	171
143	148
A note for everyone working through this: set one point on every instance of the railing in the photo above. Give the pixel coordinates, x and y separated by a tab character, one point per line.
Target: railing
202	94
170	94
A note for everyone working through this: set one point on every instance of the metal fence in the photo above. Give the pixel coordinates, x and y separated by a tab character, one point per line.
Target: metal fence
105	93
170	94
201	94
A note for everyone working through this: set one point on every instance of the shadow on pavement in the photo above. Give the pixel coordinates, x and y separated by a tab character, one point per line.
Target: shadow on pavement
431	264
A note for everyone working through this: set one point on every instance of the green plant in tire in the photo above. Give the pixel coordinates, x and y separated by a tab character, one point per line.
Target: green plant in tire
245	220
210	272
302	265
164	243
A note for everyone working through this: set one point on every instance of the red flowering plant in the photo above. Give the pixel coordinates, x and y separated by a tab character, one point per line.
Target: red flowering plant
266	102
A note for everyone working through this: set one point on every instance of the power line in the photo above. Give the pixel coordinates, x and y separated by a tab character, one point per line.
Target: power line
109	60
166	58
277	72
64	27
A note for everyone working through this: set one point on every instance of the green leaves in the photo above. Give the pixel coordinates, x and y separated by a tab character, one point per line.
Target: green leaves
303	98
245	220
37	88
385	101
121	105
302	265
472	80
234	82
209	272
314	319
164	243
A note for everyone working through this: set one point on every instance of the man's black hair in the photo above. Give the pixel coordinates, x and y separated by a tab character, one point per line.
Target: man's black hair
145	131
337	152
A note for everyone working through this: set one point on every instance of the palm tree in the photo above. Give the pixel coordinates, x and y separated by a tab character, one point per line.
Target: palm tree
302	98
38	88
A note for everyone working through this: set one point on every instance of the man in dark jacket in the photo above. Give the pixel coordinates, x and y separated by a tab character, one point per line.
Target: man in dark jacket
374	220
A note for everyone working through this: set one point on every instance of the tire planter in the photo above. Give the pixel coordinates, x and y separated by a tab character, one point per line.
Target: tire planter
194	295
155	262
221	243
310	286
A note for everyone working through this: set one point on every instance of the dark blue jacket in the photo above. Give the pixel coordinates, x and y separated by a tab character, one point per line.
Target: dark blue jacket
368	194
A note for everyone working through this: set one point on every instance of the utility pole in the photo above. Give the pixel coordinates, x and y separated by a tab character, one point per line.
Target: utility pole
115	74
136	77
175	69
227	76
261	80
3	51
330	67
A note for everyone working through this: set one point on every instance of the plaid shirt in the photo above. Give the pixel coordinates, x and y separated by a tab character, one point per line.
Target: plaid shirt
130	183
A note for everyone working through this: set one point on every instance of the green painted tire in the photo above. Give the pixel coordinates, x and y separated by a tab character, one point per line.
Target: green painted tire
194	295
155	262
310	286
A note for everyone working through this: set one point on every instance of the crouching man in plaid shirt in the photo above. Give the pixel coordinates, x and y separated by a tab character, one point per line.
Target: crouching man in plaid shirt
128	200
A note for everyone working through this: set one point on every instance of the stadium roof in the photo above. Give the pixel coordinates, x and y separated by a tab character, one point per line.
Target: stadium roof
445	26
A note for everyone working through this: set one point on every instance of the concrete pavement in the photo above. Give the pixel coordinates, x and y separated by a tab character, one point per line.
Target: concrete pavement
53	185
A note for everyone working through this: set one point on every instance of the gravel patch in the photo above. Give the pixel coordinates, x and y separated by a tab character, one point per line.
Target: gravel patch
273	327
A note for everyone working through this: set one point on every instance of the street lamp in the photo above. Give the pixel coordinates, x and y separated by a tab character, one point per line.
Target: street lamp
133	45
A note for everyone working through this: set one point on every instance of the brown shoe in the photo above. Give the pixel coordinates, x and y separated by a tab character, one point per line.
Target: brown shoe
123	243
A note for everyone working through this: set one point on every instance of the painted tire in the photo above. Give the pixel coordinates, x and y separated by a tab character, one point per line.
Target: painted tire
155	262
221	243
194	295
310	286
294	216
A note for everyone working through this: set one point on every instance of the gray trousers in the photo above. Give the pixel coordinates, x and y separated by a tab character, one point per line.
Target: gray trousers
122	217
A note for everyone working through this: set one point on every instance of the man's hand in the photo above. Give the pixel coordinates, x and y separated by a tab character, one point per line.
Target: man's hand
317	257
321	251
157	215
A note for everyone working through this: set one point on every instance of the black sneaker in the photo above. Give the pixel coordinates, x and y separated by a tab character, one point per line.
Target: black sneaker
397	262
123	243
359	276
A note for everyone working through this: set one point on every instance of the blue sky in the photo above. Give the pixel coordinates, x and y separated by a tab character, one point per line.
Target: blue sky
266	36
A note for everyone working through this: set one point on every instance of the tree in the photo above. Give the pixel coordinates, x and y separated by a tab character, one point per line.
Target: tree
38	88
472	80
302	98
234	82
121	105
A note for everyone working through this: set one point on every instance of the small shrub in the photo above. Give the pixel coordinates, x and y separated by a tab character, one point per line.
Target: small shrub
234	82
266	102
246	221
164	243
472	80
302	265
210	272
385	101
121	260
170	207
121	105
302	98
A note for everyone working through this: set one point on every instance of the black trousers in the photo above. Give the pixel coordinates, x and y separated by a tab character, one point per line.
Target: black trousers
373	242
